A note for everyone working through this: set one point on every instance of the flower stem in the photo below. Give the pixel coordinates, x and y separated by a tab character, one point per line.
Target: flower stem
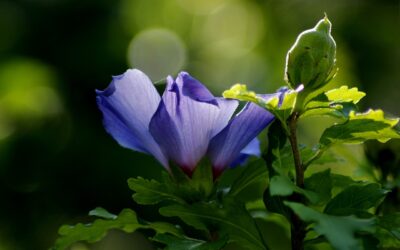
295	150
298	231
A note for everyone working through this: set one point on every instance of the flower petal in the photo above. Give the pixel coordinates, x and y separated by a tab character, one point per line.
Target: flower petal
195	90
225	147
253	148
197	115
128	104
163	129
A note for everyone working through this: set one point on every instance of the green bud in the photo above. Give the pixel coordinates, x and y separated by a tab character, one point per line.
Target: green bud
311	59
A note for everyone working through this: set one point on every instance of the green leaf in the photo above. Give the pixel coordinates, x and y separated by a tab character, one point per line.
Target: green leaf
202	179
284	163
388	232
274	204
151	191
281	106
340	111
320	183
254	172
336	102
342	181
344	94
240	92
186	243
335	96
391	222
229	218
386	239
102	213
356	199
126	221
283	186
277	139
338	230
361	127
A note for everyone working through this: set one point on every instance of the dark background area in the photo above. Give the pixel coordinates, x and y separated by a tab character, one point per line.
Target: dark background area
56	160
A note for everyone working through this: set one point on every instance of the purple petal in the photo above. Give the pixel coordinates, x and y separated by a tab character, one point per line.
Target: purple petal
194	89
128	104
196	121
163	129
253	148
225	147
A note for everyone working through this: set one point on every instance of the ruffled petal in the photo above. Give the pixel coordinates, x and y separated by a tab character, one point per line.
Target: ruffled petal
197	115
128	104
225	147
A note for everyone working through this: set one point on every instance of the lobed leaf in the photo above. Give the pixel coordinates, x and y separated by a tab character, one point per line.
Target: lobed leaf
335	96
361	127
102	213
148	192
338	230
336	102
240	92
317	188
229	218
356	199
185	243
344	94
391	222
281	104
321	184
252	173
126	221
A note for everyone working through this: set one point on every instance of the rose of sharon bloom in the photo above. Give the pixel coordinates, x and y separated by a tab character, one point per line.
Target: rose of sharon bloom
184	125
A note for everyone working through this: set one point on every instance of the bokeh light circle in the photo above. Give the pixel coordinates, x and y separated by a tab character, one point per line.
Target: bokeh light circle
200	7
235	28
158	52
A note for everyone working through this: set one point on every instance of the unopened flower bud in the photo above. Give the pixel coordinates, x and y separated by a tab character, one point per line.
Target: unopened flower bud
311	59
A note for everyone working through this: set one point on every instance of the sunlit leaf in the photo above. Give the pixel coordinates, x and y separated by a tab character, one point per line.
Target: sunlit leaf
338	230
344	94
336	102
240	92
334	97
280	104
361	127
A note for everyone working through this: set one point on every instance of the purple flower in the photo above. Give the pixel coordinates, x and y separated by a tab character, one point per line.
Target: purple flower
184	125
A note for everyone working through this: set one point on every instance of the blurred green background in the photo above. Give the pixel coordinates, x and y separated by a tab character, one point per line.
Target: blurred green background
56	160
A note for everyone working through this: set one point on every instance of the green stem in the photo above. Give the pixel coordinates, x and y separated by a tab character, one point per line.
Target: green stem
295	150
298	231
